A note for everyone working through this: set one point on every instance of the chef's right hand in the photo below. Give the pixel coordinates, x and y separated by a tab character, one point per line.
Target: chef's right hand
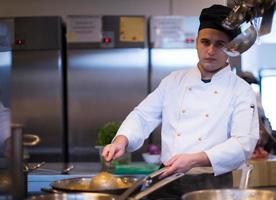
116	149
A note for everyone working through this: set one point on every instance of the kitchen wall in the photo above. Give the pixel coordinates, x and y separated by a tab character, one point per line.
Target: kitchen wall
261	54
260	57
98	7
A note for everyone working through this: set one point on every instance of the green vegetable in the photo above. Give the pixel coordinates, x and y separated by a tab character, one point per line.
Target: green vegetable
106	133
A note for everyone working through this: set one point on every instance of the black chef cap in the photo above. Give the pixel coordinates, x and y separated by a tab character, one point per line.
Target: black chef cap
213	16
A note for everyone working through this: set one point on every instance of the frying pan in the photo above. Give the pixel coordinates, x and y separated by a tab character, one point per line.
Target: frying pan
82	184
146	181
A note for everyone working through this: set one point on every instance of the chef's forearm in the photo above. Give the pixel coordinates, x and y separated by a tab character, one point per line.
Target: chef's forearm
201	160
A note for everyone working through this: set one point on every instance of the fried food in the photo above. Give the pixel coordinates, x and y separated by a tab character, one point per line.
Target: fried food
104	180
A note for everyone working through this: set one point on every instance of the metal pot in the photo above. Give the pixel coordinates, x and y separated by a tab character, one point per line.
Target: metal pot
242	42
233	194
230	194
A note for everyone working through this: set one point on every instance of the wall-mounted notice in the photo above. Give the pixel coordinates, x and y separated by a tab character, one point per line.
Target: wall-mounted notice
132	29
173	31
84	28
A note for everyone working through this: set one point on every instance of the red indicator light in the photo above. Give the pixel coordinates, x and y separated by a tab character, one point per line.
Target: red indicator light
106	40
189	40
19	42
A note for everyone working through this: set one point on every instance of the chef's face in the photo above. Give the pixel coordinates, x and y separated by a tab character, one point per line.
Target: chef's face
209	45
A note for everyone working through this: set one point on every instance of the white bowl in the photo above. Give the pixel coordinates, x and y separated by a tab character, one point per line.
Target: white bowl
151	158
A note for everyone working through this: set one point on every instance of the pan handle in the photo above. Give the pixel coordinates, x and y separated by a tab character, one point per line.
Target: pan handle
245	175
145	180
50	190
158	185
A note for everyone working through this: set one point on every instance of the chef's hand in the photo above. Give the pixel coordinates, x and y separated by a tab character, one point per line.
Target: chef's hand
115	149
184	162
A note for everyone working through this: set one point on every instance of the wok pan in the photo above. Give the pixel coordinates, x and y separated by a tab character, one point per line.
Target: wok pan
102	196
82	184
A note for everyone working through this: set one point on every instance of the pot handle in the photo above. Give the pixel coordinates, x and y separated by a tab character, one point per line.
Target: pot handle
158	185
245	175
30	140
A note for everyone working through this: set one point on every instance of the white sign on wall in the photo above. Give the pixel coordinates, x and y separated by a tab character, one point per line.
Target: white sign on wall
84	28
173	31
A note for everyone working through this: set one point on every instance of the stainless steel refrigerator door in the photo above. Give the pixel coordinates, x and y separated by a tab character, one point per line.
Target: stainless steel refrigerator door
5	67
5	70
36	100
103	85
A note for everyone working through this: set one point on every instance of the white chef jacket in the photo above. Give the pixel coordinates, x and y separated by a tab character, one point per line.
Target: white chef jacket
219	118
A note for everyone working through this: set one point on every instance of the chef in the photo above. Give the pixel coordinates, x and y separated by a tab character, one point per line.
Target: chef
208	114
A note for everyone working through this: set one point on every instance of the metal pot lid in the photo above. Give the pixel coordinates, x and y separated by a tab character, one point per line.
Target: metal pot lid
74	196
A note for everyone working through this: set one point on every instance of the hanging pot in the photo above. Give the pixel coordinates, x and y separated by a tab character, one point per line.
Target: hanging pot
242	42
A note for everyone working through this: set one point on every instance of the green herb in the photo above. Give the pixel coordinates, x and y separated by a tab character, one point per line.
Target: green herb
106	133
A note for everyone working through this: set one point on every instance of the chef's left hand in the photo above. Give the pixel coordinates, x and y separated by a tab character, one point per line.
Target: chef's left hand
184	162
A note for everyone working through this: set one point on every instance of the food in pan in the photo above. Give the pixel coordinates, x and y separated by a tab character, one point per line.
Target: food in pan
105	180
